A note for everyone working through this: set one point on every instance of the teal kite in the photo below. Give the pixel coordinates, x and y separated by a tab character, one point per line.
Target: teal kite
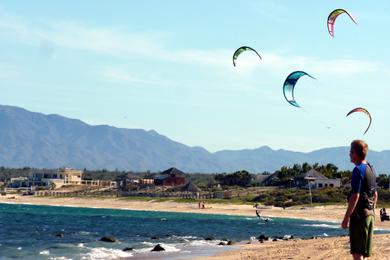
289	85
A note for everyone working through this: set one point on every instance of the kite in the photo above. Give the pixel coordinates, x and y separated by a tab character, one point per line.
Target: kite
332	19
289	85
241	50
362	110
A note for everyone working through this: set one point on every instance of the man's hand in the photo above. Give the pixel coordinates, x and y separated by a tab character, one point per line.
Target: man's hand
345	223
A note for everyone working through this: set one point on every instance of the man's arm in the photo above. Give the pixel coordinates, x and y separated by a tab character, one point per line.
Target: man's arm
351	207
375	199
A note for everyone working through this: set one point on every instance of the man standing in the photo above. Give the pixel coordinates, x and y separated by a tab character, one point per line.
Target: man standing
362	201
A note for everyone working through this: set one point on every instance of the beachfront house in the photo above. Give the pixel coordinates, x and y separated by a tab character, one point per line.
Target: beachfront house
49	179
56	178
19	182
130	181
170	177
316	179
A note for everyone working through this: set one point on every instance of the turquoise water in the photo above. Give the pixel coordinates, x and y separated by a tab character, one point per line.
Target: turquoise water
29	232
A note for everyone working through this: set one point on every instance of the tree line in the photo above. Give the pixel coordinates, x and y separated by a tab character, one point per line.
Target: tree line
282	177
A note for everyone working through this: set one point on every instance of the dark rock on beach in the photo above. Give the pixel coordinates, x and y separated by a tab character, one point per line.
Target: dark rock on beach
127	249
154	237
208	238
109	239
230	243
263	237
222	243
158	248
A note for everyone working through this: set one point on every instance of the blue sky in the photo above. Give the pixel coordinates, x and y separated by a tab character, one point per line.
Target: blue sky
166	65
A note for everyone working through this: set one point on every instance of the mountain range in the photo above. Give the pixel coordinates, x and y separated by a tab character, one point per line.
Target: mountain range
50	141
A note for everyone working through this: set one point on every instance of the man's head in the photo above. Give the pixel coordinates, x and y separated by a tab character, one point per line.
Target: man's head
358	152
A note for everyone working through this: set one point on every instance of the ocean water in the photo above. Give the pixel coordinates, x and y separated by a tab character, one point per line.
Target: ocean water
29	232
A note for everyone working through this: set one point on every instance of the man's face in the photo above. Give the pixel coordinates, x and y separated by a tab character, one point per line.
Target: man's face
354	157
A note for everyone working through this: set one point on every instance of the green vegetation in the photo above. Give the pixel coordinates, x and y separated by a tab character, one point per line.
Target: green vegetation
286	174
246	188
241	179
203	180
293	197
8	173
383	181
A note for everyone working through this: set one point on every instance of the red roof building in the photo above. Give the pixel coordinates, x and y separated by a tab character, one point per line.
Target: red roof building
170	177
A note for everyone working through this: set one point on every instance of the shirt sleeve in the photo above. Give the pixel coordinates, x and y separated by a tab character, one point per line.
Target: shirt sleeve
356	182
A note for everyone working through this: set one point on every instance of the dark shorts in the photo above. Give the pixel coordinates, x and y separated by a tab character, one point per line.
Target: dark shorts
360	235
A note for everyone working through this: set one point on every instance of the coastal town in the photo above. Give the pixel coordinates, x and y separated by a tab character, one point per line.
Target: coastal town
170	183
290	186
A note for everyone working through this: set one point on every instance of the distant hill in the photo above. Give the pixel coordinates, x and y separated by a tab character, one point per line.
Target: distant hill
38	140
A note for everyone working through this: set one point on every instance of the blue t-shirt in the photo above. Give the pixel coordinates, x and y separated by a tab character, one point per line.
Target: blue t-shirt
357	177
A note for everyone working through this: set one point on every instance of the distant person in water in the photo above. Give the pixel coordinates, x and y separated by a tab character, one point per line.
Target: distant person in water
257	207
362	201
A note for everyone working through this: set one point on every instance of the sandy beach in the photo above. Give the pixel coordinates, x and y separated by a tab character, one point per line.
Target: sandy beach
321	248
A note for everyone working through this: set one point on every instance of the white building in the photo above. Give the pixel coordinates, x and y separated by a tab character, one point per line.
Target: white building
49	179
317	180
56	178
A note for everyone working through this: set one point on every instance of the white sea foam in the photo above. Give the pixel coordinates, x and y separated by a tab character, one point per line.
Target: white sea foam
143	250
202	243
80	245
44	252
321	225
188	237
382	229
105	253
170	248
185	238
84	233
19	248
60	258
69	206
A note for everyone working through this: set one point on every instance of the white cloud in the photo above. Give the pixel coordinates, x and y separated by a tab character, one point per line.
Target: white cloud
127	77
122	77
121	43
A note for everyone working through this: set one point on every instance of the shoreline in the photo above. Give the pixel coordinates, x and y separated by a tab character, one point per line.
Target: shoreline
327	213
